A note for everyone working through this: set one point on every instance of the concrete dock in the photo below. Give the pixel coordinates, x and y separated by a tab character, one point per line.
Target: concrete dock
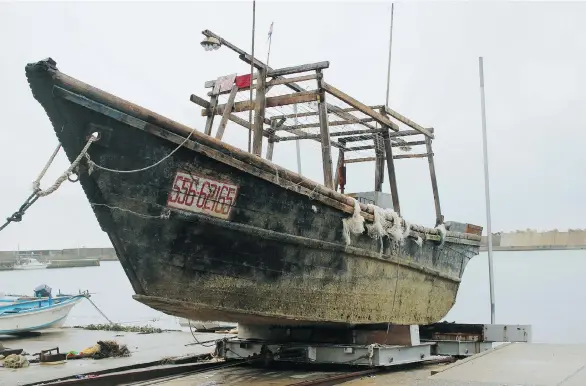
144	348
518	364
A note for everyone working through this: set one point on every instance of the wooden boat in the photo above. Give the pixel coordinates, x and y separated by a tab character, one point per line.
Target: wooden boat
206	231
19	316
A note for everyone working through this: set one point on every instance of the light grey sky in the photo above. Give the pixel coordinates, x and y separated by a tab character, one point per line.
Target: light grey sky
149	53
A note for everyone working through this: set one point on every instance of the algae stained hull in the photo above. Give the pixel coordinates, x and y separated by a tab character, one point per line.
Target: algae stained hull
215	233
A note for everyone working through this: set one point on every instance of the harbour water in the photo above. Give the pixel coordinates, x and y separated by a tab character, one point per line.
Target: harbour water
541	288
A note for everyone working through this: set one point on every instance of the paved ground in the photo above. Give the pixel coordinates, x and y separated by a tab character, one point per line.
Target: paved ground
144	348
512	365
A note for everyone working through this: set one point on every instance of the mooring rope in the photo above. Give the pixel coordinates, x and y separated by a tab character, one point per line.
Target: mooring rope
100	311
37	183
92	164
38	192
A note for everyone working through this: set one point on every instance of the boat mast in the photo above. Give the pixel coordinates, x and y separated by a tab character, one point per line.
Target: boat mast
251	76
390	54
487	191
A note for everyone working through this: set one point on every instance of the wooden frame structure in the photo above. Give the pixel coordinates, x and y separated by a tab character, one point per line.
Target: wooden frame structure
375	128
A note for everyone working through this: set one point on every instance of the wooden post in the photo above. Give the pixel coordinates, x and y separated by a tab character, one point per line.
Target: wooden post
339	168
271	140
391	166
227	112
211	114
379	166
326	148
259	112
439	219
391	171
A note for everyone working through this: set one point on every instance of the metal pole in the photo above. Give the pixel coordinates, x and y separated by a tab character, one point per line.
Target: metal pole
390	50
487	191
251	76
297	144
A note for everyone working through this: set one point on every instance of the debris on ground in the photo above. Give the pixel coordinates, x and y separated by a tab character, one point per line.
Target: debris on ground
15	361
119	327
111	348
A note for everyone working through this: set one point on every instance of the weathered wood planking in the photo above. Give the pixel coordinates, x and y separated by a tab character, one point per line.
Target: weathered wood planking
326	148
331	123
436	200
227	112
259	113
281	100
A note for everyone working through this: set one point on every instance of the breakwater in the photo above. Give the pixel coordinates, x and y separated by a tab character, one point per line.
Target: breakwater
532	240
71	254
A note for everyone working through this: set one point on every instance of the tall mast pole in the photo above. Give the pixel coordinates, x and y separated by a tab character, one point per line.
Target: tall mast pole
487	191
390	52
251	76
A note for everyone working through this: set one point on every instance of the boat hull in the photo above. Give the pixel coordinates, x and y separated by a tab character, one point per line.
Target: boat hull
29	267
267	252
37	320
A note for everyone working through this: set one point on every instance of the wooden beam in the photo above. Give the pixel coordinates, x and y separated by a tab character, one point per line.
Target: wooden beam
360	106
439	218
273	82
357	160
370	147
208	106
332	123
399	156
326	149
314	113
227	112
303	78
259	113
281	100
234	118
336	134
391	171
403	156
298	69
406	133
331	108
404	120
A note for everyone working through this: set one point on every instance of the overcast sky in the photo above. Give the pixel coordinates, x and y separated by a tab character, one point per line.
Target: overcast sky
149	53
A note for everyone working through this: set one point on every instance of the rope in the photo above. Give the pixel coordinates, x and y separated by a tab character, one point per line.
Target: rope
100	311
92	164
197	342
164	215
65	175
37	182
17	216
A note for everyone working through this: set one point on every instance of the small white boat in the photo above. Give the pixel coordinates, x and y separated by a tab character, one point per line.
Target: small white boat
29	263
35	314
